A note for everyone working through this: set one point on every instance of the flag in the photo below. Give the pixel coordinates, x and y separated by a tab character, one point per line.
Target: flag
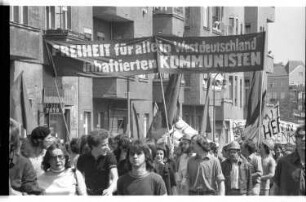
256	98
171	98
205	125
20	108
137	124
158	126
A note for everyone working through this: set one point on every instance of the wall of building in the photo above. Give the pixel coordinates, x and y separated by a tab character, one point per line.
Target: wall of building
82	17
297	76
143	23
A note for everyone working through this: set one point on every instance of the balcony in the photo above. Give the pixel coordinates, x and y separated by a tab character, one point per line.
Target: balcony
113	14
168	21
65	35
116	88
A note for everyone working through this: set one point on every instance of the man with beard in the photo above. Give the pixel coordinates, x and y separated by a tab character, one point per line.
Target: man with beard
140	180
99	166
182	164
289	178
204	173
237	172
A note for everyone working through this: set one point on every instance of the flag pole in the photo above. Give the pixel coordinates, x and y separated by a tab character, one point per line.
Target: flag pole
260	109
164	101
57	90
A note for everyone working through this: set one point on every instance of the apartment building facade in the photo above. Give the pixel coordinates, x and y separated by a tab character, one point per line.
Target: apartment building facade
87	103
286	86
90	103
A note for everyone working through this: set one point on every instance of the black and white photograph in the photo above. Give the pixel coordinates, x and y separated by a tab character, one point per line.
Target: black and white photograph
194	99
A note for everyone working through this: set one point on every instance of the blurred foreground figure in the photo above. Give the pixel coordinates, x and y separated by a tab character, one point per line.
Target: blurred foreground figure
289	178
22	175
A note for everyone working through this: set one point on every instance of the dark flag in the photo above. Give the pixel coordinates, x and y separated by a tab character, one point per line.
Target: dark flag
135	119
205	125
158	126
256	106
20	108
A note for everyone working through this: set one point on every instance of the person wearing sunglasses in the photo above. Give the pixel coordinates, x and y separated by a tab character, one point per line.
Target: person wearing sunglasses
289	178
59	178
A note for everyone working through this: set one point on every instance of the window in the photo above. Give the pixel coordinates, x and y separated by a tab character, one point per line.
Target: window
237	26
143	76
165	76
19	14
187	79
217	15
240	92
300	107
241	28
50	17
100	36
187	16
247	83
269	95
58	17
231	87
231	25
236	91
87	123
247	28
301	74
206	17
145	124
100	120
282	96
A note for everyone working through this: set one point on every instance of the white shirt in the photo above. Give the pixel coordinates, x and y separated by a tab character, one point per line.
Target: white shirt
235	176
63	183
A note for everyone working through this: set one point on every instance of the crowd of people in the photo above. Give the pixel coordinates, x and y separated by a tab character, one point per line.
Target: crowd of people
96	164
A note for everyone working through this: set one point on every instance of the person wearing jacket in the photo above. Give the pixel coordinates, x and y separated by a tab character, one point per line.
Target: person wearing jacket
237	172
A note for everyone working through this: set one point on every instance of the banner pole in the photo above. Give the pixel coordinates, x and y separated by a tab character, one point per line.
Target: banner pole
57	90
128	128
260	110
164	101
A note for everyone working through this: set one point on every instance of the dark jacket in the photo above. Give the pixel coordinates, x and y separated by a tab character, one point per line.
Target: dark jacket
245	178
289	175
23	177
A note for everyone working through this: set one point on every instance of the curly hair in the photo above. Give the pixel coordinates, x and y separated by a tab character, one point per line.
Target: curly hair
250	146
74	145
96	137
138	146
202	142
46	160
84	148
39	133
